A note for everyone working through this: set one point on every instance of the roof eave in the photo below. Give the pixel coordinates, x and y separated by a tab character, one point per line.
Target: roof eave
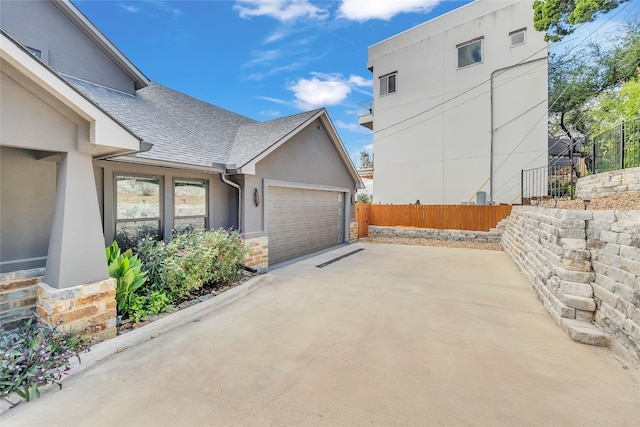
91	31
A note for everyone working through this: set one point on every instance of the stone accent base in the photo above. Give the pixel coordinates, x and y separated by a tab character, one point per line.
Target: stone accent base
608	183
18	297
353	231
493	236
258	258
89	309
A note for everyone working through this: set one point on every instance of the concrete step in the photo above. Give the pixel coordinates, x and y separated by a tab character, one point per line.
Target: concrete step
585	333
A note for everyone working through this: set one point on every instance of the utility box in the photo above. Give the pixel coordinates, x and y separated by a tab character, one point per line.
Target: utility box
481	198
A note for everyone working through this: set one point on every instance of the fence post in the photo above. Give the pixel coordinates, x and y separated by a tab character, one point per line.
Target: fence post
593	158
522	186
622	145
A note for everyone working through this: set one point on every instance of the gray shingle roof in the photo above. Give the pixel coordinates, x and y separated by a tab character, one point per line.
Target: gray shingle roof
253	139
182	129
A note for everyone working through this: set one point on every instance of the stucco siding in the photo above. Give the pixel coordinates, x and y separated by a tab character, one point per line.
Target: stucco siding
27	198
432	137
309	158
40	25
30	122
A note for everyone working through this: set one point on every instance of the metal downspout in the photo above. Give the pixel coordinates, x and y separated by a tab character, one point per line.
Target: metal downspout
492	130
224	179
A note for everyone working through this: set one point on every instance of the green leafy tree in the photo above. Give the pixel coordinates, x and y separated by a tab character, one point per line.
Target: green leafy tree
558	18
585	85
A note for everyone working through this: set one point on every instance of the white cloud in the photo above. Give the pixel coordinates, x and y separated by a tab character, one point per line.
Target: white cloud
282	10
353	127
270	113
160	5
129	8
362	10
323	89
275	100
360	81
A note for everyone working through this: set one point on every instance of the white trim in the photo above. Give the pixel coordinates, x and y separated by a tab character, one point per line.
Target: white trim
249	168
513	33
104	131
469	43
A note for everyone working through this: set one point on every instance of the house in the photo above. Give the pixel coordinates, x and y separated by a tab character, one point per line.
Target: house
92	150
460	106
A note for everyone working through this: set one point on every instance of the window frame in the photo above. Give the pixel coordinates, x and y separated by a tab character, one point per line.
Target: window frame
159	219
386	77
513	33
469	43
205	216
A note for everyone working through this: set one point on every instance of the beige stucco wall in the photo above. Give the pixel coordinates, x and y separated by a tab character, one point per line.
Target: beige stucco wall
432	137
309	159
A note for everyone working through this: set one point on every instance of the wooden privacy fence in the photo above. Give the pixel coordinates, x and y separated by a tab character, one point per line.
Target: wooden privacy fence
447	217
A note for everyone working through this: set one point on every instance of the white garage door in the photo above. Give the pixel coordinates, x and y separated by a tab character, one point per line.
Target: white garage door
301	221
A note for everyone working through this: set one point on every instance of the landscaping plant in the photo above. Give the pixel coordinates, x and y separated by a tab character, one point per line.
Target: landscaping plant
126	268
33	355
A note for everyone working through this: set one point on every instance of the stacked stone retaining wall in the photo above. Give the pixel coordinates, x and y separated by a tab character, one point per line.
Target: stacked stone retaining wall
585	268
436	234
18	296
608	183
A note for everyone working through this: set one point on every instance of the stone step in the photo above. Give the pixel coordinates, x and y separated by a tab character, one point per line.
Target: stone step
585	333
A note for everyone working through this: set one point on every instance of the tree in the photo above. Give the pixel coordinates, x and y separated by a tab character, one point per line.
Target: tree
558	18
588	89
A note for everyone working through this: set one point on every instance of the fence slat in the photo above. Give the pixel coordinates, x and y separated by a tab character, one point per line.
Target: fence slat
453	217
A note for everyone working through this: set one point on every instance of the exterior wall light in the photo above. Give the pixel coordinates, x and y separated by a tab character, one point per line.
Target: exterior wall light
256	197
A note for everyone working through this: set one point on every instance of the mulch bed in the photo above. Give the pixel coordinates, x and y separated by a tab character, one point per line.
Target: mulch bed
208	291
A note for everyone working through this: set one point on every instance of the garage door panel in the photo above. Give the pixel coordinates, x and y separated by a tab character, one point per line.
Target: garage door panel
302	221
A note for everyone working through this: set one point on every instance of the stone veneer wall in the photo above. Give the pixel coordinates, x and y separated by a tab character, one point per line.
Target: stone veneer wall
608	183
18	296
585	268
353	231
436	234
90	308
258	258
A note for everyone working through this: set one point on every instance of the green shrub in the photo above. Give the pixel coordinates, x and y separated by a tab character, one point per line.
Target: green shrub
192	259
146	305
152	255
126	268
34	355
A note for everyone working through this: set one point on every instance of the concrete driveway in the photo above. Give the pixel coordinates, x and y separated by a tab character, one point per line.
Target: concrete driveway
392	335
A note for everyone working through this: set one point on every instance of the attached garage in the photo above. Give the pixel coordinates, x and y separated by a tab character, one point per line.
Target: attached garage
301	221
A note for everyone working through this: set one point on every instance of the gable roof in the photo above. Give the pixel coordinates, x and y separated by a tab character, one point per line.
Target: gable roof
107	135
192	134
182	129
254	139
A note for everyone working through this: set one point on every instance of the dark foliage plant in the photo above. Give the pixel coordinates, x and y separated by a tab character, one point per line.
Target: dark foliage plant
34	355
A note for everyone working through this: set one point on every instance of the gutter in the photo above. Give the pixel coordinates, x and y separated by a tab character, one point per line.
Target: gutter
224	178
144	147
492	130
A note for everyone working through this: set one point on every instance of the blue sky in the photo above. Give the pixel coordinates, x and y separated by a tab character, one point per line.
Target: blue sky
270	58
263	59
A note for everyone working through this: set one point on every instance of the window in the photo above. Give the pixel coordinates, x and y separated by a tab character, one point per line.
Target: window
190	204
470	53
517	37
138	201
388	84
35	52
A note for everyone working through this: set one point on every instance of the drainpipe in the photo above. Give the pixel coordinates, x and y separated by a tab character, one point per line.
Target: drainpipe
492	131
223	178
